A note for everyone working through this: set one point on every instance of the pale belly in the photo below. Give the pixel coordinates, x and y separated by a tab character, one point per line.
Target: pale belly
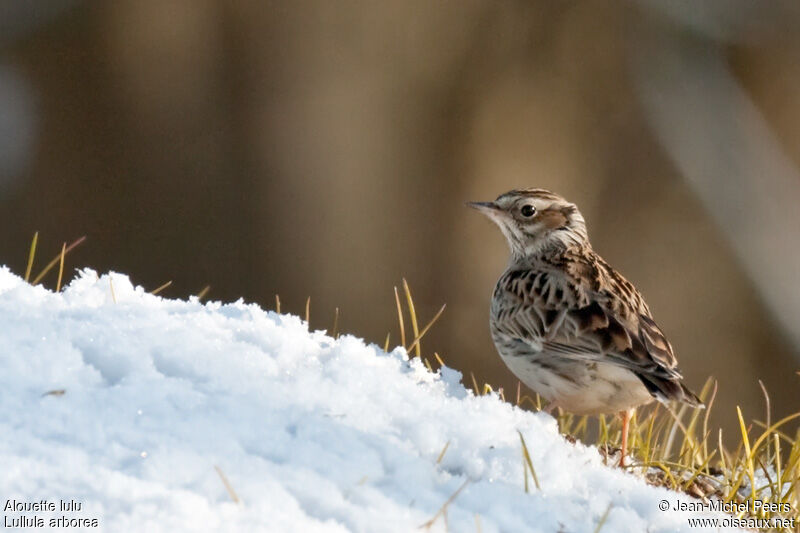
578	387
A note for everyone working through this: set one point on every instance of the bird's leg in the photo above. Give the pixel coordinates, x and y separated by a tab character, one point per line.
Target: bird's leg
626	418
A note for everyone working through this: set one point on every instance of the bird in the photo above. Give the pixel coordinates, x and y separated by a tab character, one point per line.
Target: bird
570	326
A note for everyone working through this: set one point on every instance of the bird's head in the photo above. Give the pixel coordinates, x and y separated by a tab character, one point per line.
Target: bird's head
535	220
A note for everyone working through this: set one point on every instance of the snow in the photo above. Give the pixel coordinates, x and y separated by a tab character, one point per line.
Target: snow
313	434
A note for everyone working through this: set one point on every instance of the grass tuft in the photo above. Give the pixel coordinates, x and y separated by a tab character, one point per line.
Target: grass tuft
602	521
31	255
161	288
335	330
413	313
227	484
442	512
441	454
55	260
527	464
61	267
400	318
203	293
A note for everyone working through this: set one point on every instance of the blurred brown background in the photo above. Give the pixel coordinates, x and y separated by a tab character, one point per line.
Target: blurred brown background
326	149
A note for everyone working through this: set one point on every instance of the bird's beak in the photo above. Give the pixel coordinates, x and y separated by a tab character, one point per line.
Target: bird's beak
484	207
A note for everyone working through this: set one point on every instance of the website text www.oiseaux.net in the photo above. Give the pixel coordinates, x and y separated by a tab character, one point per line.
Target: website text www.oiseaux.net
748	514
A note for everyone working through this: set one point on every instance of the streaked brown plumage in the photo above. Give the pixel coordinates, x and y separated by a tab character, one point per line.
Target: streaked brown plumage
566	323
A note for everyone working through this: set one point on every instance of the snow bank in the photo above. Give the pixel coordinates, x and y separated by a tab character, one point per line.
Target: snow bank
314	434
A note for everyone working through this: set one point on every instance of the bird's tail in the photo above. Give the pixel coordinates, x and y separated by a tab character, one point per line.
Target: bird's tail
670	389
691	398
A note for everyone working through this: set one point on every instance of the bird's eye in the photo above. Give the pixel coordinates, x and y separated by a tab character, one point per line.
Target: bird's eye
527	210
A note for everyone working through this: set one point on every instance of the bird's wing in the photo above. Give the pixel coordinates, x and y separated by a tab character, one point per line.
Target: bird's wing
561	321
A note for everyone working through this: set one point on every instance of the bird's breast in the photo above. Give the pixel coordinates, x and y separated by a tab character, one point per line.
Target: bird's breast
580	387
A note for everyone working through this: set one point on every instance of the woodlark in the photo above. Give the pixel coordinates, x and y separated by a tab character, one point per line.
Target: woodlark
567	324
